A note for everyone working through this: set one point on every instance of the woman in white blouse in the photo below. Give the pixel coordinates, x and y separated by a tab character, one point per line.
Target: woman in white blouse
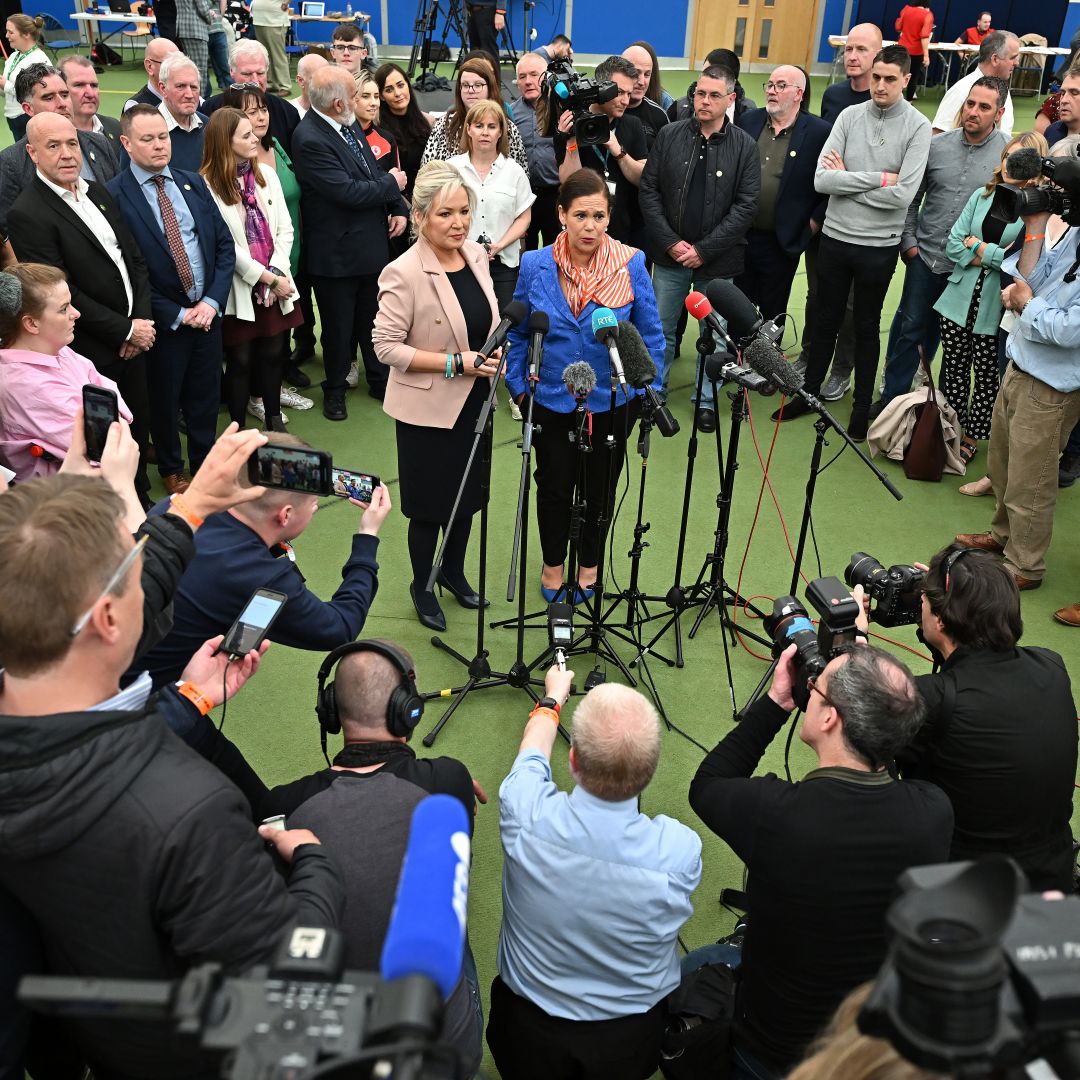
504	196
24	37
260	313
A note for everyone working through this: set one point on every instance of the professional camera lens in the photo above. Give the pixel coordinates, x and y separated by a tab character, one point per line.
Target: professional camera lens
789	624
866	571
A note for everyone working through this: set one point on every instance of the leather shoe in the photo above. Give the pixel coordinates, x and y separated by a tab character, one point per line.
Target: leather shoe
1025	584
792	411
464	593
427	609
175	483
706	420
294	376
333	407
859	424
983	541
1070	615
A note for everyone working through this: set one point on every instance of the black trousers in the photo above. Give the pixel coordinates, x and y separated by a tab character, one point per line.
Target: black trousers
503	281
544	224
304	334
528	1044
130	379
183	374
482	33
558	463
347	306
840	267
768	273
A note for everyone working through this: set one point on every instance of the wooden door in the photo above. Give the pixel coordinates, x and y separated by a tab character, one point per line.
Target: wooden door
762	33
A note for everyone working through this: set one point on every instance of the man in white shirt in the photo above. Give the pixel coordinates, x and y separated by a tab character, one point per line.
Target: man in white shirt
999	54
307	67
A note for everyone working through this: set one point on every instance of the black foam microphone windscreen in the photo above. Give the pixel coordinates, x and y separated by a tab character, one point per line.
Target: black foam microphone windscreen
766	359
580	378
1023	164
638	364
732	304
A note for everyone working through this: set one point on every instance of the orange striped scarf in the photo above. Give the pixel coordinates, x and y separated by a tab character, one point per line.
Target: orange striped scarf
605	280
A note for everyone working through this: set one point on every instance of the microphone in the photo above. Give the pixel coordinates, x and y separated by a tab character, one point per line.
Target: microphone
698	306
640	373
721	368
1023	164
512	314
742	317
539	324
426	935
605	328
580	379
766	359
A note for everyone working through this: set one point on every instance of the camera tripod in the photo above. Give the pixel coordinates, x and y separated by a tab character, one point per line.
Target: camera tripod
425	50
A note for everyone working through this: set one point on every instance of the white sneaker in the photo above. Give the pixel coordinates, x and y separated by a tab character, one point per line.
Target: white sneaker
255	408
293	400
352	380
515	412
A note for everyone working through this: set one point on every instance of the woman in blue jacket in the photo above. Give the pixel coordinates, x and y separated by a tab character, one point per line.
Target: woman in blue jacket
970	307
583	270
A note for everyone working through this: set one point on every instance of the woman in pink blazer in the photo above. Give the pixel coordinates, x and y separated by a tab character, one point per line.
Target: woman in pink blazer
436	308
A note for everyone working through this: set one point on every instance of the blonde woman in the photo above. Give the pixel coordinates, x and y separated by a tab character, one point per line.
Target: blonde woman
24	37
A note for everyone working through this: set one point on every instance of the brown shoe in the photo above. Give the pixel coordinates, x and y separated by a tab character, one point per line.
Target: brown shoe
176	483
1024	584
1070	615
983	541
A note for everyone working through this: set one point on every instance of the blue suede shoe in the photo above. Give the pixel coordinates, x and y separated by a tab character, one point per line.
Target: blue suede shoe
552	595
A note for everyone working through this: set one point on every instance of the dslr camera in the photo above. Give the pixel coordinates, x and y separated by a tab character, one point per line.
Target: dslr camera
790	624
897	591
1011	202
567	89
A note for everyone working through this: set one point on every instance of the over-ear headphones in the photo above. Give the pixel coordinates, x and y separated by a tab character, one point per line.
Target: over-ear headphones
405	707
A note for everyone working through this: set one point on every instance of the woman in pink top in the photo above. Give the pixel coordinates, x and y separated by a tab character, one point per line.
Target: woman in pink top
41	378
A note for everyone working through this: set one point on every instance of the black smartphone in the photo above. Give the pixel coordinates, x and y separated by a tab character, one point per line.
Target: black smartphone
292	468
253	623
349	484
100	410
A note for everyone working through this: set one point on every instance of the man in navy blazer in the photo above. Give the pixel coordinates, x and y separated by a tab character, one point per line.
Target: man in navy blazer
790	211
349	209
190	258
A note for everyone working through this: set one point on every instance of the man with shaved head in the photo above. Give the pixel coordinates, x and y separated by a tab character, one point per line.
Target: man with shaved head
305	68
63	221
156	52
586	995
789	210
652	114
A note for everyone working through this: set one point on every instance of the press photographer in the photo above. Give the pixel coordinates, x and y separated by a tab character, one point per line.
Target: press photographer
1000	738
1039	401
829	847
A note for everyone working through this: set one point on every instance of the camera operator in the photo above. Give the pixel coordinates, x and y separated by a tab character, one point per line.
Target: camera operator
135	858
1000	736
249	547
829	847
620	160
361	808
1038	404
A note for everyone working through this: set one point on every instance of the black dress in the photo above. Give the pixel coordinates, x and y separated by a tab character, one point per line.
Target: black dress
431	460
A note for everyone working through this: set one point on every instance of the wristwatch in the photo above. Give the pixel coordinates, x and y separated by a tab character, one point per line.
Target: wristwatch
548	703
621	154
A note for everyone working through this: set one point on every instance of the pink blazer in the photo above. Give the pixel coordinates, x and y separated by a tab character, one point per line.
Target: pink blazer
419	310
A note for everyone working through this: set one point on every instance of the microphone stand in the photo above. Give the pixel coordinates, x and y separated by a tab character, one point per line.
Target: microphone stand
481	674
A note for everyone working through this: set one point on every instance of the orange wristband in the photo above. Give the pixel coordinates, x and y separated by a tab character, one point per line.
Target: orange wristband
553	713
177	503
571	147
195	696
1037	236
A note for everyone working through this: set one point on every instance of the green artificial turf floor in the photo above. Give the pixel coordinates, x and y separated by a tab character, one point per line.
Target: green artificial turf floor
273	719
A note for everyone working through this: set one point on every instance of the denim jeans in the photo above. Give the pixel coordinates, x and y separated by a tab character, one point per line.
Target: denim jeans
219	60
915	323
671	285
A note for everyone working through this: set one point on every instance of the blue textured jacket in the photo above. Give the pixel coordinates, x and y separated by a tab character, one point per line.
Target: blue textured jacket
570	340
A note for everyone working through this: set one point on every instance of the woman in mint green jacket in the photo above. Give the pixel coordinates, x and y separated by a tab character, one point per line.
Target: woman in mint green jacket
970	307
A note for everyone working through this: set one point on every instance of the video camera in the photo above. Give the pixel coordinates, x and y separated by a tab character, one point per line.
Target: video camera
980	977
569	90
790	624
1011	202
898	590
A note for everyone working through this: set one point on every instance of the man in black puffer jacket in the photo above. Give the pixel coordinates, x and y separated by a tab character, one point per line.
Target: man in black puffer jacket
134	857
699	195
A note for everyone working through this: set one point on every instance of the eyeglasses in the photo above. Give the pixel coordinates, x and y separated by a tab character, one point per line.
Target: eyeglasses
779	87
339	47
472	87
121	571
811	686
713	95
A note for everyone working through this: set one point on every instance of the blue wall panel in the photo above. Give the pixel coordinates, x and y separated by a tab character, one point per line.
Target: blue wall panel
832	23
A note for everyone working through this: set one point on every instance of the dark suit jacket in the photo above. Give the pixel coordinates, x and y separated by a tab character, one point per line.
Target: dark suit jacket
111	130
17	170
145	96
796	201
45	230
343	208
283	117
167	295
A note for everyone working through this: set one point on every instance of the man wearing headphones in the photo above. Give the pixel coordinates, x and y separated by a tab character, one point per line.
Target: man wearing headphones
364	803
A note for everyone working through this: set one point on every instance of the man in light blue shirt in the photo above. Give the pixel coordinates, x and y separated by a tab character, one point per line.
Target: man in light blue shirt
594	896
1039	400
